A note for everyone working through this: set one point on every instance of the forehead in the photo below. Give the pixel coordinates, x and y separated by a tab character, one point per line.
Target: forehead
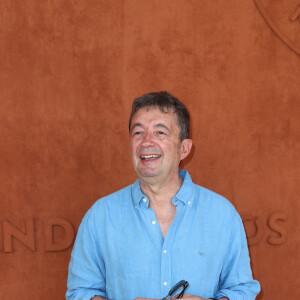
151	116
154	115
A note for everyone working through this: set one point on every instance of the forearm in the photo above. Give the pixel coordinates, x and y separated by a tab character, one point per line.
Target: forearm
245	290
98	298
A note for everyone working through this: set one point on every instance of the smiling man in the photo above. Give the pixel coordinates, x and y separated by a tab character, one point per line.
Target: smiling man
140	241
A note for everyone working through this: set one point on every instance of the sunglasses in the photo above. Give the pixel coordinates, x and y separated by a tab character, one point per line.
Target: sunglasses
179	288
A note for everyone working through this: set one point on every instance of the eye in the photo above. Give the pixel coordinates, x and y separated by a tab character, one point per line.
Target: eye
162	132
136	133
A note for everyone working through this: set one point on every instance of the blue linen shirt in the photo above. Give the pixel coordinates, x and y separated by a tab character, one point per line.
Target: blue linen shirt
120	252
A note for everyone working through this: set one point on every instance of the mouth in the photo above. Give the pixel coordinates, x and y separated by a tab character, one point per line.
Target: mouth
149	156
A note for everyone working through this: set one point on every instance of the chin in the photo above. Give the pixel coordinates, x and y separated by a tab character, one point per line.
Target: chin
148	173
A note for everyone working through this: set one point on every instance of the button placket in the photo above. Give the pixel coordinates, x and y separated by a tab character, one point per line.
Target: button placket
152	223
166	262
165	267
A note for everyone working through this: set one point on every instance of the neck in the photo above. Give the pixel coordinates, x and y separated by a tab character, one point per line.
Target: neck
161	193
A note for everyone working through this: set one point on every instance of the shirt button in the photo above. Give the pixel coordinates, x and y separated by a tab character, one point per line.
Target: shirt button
165	283
189	203
144	199
165	251
153	222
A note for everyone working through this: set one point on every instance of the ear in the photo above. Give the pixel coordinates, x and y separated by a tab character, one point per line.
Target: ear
186	147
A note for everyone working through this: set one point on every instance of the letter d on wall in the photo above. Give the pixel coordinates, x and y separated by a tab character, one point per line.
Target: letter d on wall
49	243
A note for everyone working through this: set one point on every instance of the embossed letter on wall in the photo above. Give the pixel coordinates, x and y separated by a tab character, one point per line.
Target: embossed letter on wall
28	238
257	227
284	18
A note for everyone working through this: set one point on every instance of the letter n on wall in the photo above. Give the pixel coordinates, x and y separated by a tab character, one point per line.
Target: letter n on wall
26	238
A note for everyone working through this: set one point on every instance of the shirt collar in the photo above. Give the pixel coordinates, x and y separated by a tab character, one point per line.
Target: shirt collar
185	194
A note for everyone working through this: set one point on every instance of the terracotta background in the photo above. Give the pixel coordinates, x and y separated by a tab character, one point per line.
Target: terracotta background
69	71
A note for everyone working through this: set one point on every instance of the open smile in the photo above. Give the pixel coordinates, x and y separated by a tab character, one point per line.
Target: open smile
150	156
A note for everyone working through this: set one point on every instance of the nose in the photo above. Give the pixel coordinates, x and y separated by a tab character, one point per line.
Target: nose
147	140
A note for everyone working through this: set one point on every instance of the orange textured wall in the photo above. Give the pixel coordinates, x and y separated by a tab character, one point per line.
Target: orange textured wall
69	71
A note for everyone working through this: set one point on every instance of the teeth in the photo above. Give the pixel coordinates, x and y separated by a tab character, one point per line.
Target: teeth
150	156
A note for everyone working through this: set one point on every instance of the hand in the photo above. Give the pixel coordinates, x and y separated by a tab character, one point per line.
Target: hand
185	296
139	298
190	297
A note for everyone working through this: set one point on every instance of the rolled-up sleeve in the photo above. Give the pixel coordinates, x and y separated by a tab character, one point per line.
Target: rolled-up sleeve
236	281
86	277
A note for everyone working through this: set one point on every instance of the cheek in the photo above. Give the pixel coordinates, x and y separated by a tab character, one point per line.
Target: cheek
132	144
133	150
170	151
176	153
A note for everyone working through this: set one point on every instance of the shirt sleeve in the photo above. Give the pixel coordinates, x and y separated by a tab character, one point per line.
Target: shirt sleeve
236	281
86	277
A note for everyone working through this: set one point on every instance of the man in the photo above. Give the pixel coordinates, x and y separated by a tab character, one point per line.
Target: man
141	240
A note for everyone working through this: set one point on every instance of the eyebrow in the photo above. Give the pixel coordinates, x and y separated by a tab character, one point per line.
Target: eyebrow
136	125
159	125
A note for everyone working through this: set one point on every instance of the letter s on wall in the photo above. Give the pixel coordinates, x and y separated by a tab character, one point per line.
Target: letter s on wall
273	224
